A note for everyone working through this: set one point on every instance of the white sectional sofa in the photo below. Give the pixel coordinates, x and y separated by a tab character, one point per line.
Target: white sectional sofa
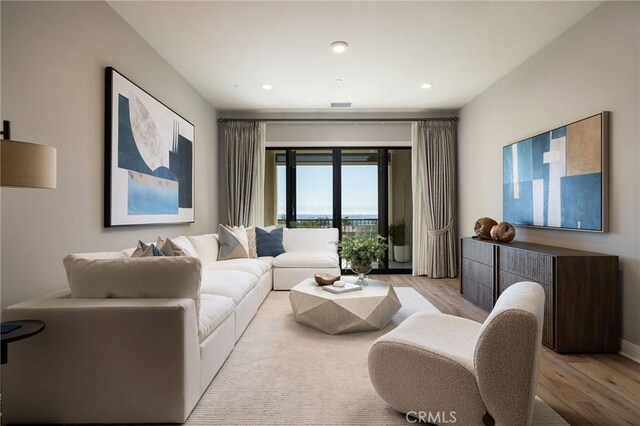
145	359
308	251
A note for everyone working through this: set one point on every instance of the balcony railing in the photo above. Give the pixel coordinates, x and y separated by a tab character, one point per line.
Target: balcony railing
360	227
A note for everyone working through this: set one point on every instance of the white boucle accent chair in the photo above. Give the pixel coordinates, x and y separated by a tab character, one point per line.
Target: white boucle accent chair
437	363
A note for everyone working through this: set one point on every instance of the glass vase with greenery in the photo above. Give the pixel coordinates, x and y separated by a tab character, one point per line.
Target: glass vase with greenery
361	252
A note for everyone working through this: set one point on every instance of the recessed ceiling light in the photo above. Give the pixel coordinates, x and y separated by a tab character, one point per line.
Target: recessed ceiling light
339	46
427	86
339	80
267	86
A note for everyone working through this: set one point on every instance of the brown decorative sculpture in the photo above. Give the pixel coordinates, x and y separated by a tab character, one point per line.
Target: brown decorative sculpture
325	279
503	232
483	227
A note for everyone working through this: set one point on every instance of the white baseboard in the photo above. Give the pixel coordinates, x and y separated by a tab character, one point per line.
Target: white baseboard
630	350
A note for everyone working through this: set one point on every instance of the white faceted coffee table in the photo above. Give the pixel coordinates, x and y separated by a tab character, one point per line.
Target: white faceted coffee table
368	309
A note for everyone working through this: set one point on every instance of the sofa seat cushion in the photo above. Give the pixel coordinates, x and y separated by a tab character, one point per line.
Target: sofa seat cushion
255	267
232	284
267	260
213	310
306	259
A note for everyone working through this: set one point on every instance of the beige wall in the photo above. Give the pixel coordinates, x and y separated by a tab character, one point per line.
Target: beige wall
592	67
53	57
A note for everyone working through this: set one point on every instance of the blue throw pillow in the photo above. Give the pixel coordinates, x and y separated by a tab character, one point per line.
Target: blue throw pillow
269	243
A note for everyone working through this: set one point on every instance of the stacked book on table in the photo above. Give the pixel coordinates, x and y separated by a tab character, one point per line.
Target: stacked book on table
337	289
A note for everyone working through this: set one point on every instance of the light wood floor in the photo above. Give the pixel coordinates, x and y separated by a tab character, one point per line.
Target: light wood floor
584	389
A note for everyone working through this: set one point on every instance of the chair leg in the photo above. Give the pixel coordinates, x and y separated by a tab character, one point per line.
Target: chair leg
487	420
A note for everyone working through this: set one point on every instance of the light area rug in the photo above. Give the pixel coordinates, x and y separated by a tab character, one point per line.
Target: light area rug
282	373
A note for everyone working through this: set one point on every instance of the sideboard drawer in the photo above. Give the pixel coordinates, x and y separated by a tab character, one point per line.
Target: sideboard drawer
508	279
548	332
486	298
478	272
530	265
470	289
478	293
477	251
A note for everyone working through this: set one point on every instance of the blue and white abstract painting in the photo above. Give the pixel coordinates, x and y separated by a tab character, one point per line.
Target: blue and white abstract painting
151	147
555	179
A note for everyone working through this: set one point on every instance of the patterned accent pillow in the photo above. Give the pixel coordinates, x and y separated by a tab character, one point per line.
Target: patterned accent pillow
269	243
251	236
170	248
146	250
233	243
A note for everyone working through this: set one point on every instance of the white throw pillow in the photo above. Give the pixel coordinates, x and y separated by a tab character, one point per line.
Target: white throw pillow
135	277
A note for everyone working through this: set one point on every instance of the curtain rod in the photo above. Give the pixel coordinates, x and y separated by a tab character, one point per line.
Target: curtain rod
336	120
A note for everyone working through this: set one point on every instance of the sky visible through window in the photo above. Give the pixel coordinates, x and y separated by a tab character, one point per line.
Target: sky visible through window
314	186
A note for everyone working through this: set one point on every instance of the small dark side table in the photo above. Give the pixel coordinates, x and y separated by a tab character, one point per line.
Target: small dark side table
27	329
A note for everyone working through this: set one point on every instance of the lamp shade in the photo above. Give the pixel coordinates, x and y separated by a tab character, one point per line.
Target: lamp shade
27	165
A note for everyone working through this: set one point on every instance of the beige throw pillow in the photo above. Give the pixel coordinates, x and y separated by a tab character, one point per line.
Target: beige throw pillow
147	250
170	248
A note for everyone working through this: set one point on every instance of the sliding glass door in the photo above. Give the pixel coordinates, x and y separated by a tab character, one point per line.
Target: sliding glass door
313	203
360	206
360	191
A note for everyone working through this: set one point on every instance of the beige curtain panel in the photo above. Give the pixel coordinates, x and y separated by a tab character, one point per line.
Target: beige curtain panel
435	242
244	147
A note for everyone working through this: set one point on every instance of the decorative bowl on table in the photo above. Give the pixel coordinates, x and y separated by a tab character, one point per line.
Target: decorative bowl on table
325	279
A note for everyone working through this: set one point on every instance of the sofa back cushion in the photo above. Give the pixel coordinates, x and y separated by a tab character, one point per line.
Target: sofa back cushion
206	247
310	239
104	254
185	245
135	277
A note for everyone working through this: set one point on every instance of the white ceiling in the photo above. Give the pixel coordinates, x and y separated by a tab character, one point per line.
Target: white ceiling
394	47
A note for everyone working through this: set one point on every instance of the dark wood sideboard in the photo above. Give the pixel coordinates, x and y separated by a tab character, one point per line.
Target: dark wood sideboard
581	289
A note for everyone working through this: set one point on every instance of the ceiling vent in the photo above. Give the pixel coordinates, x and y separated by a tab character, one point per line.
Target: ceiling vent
340	104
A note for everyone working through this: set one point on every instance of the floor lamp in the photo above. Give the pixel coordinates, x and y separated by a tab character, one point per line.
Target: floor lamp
23	165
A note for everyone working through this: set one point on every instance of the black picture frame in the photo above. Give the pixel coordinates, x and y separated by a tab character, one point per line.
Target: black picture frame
173	181
591	135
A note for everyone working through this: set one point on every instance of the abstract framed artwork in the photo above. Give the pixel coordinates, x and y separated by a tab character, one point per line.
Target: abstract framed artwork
149	157
558	179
